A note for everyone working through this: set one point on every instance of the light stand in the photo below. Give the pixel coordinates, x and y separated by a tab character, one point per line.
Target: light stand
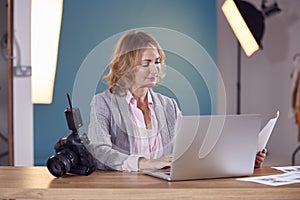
247	23
238	83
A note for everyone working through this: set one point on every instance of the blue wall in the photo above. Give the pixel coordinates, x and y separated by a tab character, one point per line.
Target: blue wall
88	24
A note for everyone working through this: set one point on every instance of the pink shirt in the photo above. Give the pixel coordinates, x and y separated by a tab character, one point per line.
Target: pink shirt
148	142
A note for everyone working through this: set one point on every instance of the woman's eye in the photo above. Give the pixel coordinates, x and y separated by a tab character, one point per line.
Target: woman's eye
145	65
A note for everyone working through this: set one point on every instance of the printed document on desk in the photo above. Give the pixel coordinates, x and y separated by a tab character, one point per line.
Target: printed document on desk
265	133
275	180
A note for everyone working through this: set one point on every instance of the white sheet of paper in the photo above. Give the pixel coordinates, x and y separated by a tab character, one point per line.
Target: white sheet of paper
275	180
288	168
265	133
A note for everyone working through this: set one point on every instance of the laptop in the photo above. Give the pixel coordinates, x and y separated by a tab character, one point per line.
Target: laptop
214	146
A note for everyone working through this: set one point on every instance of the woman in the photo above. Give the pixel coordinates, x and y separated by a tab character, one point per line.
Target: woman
131	126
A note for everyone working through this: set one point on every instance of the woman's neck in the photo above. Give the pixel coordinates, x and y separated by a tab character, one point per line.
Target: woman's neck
140	94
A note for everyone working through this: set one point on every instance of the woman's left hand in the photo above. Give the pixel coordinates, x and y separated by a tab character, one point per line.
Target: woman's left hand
260	157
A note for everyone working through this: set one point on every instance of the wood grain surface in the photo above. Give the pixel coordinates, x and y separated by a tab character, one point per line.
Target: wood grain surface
38	183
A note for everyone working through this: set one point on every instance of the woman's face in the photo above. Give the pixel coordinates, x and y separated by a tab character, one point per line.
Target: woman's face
146	73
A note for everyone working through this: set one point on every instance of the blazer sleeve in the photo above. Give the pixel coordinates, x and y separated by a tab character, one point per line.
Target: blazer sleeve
99	129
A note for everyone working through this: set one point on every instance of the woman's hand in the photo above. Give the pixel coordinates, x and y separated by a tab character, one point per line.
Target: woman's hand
159	163
260	157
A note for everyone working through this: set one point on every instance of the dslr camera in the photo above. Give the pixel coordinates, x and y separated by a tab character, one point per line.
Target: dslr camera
71	154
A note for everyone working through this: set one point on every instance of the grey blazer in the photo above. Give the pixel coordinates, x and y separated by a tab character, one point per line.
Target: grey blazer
111	128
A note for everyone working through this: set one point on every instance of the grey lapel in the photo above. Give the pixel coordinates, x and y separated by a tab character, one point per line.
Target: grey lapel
162	122
123	118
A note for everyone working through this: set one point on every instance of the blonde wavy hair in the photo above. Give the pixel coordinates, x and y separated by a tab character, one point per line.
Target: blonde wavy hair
125	58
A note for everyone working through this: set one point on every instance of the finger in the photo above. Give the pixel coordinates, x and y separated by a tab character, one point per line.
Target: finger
259	159
258	163
169	157
264	151
261	154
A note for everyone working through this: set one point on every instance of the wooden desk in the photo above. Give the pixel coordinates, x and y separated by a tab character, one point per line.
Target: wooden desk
38	183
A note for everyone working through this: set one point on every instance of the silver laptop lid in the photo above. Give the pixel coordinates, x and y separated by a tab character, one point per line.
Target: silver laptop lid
215	146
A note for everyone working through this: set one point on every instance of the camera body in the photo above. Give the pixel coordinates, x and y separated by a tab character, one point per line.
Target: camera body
71	154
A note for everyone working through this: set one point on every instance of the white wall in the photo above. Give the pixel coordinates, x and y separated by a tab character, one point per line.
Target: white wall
23	108
266	82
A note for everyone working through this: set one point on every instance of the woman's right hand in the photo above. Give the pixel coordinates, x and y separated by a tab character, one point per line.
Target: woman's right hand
158	163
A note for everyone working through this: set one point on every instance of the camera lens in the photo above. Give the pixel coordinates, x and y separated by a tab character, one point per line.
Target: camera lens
61	163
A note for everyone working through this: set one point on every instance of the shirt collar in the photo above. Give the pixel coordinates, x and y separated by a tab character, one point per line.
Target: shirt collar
130	99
